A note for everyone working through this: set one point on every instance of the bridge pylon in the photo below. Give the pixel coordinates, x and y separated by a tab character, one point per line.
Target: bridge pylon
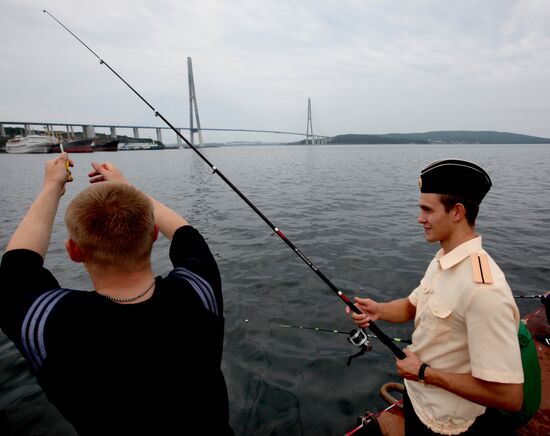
310	139
193	109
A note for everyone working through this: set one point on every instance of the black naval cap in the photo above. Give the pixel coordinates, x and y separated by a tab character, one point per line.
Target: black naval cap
455	177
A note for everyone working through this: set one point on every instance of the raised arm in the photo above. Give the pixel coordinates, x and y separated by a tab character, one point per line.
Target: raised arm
167	219
34	231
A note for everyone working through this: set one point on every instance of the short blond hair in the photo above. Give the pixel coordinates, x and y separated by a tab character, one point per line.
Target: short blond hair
112	224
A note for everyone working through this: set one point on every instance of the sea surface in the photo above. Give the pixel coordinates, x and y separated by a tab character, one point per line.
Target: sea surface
351	209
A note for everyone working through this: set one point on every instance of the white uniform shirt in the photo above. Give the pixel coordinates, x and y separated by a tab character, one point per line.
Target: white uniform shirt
463	326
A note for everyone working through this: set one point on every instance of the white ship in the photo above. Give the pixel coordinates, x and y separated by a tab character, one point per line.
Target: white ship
127	143
31	144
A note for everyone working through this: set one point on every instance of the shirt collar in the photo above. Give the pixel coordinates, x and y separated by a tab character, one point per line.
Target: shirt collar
458	254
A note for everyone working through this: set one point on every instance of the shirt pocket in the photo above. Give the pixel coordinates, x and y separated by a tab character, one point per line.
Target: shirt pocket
442	319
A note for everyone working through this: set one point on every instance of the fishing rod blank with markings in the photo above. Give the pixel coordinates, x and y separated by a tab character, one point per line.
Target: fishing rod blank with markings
372	326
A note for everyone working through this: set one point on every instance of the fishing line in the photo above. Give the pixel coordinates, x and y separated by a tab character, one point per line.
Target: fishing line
372	326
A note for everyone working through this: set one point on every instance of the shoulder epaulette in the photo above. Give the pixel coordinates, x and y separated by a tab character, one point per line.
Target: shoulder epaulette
480	268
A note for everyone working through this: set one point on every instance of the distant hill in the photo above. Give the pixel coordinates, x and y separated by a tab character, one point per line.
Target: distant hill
441	137
372	139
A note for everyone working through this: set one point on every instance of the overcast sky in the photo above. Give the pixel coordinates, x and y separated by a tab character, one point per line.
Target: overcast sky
368	66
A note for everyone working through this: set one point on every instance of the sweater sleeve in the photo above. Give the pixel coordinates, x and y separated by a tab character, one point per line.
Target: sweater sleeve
23	280
189	251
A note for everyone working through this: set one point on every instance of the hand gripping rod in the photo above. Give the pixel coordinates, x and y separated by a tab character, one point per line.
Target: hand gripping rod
372	326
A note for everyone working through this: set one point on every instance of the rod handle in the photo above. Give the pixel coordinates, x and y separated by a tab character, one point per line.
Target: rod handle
386	340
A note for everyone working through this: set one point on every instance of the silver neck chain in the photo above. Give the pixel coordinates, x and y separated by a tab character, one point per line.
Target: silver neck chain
129	299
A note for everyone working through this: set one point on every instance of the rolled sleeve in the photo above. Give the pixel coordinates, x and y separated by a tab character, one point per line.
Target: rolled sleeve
413	296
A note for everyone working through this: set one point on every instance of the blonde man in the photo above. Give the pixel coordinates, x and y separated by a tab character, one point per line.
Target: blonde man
138	355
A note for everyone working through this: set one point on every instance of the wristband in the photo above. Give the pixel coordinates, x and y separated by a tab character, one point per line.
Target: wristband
421	373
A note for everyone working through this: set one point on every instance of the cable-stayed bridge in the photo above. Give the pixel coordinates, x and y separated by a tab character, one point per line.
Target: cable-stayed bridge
87	130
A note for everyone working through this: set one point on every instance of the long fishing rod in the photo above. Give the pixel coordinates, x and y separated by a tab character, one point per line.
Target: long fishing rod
531	296
367	419
372	326
318	329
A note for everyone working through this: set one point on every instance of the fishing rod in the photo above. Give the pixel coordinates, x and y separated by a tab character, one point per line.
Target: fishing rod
372	326
356	337
531	296
366	420
318	329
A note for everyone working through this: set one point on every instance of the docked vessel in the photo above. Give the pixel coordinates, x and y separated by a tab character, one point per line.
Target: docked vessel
105	143
31	144
126	143
87	145
74	146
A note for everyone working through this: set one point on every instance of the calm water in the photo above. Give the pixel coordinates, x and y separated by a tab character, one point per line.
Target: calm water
352	211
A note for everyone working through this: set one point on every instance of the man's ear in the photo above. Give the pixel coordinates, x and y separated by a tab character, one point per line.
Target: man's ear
156	232
459	211
74	252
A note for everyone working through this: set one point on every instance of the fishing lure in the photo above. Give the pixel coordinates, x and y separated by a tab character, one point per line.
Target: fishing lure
67	165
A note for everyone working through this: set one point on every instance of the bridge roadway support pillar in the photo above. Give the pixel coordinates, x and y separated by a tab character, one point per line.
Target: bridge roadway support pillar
89	132
2	130
113	132
27	129
159	135
136	132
